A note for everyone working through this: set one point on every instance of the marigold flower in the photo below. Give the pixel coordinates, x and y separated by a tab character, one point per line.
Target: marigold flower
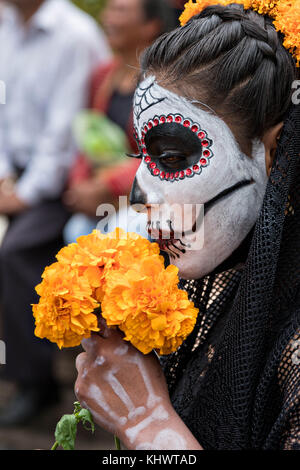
124	274
95	255
64	314
146	304
286	15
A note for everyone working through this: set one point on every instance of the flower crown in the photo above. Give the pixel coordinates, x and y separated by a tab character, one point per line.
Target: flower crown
285	13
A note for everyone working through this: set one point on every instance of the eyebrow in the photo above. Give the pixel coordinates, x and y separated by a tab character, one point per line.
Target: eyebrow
208	205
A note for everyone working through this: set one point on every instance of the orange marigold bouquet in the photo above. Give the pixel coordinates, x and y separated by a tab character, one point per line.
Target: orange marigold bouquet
122	275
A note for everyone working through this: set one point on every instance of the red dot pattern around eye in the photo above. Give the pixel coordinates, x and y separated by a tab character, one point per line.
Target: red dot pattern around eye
196	169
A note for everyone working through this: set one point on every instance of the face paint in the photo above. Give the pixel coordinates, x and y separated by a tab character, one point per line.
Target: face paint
191	159
175	132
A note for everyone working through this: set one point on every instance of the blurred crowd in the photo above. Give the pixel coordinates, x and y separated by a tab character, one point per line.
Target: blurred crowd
60	67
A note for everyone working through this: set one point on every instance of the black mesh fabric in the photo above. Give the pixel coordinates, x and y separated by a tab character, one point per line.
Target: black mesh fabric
235	380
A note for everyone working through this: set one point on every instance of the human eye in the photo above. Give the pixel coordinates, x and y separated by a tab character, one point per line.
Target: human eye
172	159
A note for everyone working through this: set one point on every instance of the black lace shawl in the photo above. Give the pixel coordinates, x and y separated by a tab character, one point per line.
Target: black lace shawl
235	380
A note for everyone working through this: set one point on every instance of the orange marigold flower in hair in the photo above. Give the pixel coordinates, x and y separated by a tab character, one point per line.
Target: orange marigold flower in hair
285	13
287	21
64	314
192	8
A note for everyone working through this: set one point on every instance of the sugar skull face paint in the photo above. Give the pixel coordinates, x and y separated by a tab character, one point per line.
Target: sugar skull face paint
190	158
175	130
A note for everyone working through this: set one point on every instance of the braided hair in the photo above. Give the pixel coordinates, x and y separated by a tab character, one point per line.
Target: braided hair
232	60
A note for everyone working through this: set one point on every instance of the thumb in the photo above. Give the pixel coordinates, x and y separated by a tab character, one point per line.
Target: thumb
92	345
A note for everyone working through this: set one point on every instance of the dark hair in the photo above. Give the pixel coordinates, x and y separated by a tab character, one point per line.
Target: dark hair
231	59
163	11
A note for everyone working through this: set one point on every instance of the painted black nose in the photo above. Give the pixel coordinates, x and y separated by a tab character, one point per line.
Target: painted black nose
137	195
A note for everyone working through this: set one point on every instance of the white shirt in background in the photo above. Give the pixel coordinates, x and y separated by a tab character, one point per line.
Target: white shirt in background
46	69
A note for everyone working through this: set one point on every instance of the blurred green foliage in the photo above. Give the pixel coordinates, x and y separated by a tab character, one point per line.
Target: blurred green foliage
91	6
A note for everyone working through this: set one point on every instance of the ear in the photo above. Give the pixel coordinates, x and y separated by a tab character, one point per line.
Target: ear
270	140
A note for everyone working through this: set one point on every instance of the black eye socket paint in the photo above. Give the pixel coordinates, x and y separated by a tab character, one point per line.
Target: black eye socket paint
174	148
172	137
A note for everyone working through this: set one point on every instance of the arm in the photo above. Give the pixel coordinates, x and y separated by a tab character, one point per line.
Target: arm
289	379
127	394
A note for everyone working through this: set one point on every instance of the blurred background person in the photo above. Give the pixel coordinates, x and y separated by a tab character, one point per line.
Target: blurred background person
130	26
178	5
47	52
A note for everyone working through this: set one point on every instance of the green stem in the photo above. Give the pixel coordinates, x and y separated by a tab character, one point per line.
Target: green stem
55	445
117	443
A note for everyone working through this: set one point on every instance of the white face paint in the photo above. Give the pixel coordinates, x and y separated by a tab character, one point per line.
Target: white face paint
190	157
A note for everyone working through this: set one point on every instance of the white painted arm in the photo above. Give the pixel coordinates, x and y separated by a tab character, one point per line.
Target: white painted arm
127	395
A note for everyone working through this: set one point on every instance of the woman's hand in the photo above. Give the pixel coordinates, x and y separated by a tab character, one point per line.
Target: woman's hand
127	395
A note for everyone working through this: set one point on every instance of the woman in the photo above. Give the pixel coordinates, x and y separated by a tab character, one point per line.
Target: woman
130	26
218	94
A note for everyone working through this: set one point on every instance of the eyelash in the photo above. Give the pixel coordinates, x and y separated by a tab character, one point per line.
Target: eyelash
163	157
134	155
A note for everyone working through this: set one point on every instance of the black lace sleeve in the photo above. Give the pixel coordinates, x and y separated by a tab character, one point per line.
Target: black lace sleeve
289	380
235	381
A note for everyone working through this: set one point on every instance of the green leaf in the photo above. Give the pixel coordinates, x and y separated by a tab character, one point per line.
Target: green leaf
86	418
65	432
77	407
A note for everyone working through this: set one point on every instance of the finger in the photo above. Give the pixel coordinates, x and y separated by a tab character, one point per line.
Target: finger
112	335
105	331
80	362
92	345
